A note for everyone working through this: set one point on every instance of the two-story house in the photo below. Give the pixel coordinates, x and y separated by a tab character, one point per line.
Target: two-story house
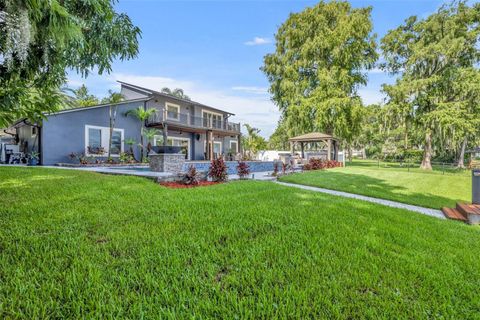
202	131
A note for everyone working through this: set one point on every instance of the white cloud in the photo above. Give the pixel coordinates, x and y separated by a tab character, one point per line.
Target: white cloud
257	41
254	109
251	90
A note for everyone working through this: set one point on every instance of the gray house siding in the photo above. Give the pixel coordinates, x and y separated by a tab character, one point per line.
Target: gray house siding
131	93
64	133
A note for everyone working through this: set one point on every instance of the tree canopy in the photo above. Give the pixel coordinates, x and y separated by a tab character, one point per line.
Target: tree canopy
321	58
41	40
177	92
436	59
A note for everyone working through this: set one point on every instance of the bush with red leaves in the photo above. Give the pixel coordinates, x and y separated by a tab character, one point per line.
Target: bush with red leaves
218	170
243	169
319	164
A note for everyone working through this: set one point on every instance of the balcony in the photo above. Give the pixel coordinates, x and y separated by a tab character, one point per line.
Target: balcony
185	120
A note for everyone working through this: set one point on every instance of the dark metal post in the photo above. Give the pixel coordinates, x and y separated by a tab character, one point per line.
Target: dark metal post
476	186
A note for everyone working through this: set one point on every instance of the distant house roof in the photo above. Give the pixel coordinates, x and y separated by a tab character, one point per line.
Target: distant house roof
312	136
158	93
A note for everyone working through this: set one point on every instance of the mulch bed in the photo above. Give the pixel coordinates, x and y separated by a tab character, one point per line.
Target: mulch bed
178	185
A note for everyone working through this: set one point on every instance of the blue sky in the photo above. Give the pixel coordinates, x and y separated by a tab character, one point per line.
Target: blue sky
214	49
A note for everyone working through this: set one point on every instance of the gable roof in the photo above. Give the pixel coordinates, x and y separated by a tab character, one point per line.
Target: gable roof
158	93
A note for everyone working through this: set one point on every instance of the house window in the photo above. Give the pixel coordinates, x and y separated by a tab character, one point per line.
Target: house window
233	146
34	131
173	111
116	142
217	148
94	138
212	119
97	140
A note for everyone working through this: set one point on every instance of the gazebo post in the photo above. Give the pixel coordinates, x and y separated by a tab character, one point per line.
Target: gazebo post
303	153
292	149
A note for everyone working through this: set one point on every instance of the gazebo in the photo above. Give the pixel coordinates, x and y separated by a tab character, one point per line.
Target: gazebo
328	143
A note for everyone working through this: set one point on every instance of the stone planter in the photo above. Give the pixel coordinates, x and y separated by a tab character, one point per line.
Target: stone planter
167	162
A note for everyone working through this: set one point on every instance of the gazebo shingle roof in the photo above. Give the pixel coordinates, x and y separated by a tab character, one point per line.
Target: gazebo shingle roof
313	136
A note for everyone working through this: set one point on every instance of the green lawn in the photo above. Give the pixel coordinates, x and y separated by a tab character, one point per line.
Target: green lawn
83	245
433	189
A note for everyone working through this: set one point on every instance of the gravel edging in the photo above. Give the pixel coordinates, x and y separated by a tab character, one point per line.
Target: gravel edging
426	211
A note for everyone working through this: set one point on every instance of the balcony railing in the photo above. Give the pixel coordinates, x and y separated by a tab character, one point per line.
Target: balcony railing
185	119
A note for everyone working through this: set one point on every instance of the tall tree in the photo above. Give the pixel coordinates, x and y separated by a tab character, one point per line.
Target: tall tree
321	58
427	54
177	92
40	40
141	114
279	138
83	98
253	141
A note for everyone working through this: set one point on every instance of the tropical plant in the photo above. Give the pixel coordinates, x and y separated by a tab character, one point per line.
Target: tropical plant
177	92
41	40
218	170
191	176
130	142
243	169
113	97
253	142
141	114
83	98
150	135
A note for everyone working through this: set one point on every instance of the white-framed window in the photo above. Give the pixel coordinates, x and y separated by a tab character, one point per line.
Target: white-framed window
212	119
217	147
234	146
173	111
184	143
97	138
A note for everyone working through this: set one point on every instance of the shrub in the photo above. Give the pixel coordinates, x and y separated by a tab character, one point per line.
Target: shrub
126	158
243	169
275	169
218	170
319	164
80	157
191	176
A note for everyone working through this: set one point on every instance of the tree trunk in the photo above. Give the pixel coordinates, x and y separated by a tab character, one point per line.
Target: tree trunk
427	152
461	156
113	116
350	153
142	154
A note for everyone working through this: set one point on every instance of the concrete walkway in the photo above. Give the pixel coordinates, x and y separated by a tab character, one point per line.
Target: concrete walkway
394	204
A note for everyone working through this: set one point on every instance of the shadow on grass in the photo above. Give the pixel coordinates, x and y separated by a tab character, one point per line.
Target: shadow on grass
369	186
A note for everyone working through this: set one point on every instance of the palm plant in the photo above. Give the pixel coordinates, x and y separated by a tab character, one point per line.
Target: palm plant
150	135
130	142
141	114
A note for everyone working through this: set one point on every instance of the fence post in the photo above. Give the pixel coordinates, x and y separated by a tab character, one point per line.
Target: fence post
443	167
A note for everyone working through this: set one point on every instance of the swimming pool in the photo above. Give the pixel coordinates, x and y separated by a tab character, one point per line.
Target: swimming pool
255	166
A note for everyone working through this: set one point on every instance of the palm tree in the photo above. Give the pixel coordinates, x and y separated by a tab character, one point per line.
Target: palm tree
141	114
130	142
150	135
177	92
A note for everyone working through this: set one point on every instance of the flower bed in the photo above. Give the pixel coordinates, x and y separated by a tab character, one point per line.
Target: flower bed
179	185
